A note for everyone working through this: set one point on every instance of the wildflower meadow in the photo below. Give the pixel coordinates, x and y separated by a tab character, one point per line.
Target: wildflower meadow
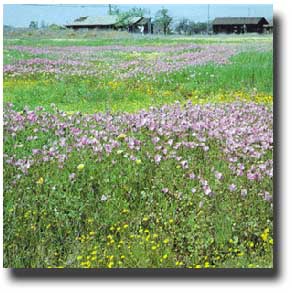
138	152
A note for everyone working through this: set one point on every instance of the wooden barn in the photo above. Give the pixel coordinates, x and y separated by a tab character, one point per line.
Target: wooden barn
132	24
239	25
268	28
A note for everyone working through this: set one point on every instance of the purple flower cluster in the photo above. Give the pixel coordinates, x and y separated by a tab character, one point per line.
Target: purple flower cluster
243	132
103	61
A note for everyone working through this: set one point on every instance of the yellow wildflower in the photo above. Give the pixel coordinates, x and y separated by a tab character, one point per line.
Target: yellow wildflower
40	181
265	234
122	136
80	167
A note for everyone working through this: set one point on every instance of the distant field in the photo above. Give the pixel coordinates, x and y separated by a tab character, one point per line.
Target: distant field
131	151
247	70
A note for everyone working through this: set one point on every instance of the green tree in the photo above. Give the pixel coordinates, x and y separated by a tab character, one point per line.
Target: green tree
182	26
113	10
124	18
55	27
190	27
163	20
33	24
198	27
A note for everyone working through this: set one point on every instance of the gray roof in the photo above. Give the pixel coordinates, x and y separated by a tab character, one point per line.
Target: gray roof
143	21
238	20
101	20
270	24
95	20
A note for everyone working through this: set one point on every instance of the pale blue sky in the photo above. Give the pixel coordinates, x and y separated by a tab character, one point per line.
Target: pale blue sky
20	15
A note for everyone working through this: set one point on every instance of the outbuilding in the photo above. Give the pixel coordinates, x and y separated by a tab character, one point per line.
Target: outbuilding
132	24
239	25
268	28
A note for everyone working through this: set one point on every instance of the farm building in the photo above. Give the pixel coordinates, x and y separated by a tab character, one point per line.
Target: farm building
268	28
239	25
132	24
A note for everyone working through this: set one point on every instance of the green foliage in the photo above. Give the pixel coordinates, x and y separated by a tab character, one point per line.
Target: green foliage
163	20
124	18
188	27
55	27
33	25
113	10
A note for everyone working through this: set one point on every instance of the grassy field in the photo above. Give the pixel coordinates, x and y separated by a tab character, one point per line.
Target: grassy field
138	152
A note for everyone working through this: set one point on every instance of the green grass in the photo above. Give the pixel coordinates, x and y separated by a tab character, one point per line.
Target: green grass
247	70
109	38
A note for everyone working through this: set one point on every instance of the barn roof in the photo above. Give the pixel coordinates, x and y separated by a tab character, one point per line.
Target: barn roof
238	20
270	24
102	20
95	20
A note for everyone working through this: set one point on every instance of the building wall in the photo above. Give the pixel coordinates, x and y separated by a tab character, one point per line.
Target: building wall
76	27
250	28
135	28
